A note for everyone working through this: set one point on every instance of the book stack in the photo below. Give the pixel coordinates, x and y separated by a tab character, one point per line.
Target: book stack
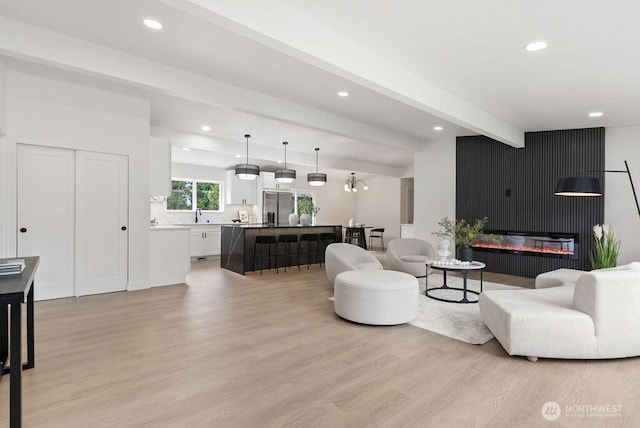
11	267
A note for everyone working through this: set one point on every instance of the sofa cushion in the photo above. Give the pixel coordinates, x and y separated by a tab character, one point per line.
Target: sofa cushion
558	277
541	323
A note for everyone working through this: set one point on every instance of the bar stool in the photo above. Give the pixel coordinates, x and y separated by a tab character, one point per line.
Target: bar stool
287	240
309	238
261	241
325	239
352	235
376	232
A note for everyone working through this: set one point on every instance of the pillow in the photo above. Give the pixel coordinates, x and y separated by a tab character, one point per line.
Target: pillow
415	258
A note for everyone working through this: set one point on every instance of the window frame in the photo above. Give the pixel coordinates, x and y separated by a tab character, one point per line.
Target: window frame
194	195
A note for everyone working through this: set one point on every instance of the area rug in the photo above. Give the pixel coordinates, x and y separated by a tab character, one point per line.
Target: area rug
458	321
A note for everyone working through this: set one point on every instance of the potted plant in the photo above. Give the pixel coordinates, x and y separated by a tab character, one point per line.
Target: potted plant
462	233
606	247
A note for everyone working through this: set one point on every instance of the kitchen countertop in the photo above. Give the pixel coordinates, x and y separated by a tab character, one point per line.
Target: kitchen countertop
266	226
168	227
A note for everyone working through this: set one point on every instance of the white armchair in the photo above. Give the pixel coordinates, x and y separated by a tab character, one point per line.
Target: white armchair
341	257
597	318
410	255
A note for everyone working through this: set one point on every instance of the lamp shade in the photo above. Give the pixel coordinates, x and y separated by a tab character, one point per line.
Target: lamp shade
247	171
579	186
316	178
285	175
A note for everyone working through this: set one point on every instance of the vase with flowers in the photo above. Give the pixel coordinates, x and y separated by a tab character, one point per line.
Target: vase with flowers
606	247
462	233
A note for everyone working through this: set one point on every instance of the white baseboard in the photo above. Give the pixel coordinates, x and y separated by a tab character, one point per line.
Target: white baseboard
138	285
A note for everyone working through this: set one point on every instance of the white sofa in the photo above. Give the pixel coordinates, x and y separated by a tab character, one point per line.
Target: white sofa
410	255
559	277
340	257
599	317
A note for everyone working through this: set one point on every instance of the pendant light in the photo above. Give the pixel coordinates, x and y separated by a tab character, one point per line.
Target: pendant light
316	178
247	171
285	175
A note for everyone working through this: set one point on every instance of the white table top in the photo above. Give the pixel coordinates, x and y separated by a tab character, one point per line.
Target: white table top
450	265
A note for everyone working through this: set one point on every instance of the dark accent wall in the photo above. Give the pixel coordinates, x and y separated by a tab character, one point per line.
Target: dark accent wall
514	188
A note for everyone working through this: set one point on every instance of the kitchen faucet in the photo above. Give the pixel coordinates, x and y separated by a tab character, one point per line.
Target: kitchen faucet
198	210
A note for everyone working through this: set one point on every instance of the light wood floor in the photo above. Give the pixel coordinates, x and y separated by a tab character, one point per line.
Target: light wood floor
227	350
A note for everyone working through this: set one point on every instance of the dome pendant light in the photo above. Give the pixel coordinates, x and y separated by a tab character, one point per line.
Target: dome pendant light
316	178
285	176
247	171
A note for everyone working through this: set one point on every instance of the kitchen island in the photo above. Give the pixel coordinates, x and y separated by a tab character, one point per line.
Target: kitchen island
238	242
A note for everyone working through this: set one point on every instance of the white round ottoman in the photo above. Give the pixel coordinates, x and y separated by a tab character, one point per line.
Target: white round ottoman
378	297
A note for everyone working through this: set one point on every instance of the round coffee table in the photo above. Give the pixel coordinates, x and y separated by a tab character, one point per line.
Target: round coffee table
464	269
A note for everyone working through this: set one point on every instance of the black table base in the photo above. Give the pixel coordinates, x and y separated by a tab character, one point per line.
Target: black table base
464	289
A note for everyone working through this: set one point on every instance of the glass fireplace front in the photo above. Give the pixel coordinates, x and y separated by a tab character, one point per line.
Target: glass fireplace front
560	245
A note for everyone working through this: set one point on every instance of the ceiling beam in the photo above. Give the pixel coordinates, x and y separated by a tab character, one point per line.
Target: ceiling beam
42	46
273	24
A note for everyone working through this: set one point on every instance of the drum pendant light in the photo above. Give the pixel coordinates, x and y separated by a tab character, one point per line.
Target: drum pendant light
316	178
285	175
247	171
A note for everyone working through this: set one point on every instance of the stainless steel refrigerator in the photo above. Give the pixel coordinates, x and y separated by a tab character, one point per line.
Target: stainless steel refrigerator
278	203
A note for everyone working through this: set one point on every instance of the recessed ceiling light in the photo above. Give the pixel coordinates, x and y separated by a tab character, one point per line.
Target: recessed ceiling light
438	128
279	161
343	94
238	156
152	23
595	114
186	149
536	46
206	128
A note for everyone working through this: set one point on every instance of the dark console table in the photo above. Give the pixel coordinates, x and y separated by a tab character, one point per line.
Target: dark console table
15	290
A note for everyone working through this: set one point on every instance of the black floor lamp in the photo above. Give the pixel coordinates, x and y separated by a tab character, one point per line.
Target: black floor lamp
590	186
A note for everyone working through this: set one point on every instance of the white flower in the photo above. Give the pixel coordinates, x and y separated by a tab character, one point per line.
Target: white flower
606	228
597	231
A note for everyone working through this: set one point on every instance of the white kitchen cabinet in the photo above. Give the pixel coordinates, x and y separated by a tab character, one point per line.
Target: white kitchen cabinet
240	192
159	167
169	260
269	182
204	241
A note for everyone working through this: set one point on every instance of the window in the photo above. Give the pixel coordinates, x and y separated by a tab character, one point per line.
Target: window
302	201
187	195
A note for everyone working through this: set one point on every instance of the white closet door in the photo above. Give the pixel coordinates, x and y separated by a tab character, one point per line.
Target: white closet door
101	223
46	217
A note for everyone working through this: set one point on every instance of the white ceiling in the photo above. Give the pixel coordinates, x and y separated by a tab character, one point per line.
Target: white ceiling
272	69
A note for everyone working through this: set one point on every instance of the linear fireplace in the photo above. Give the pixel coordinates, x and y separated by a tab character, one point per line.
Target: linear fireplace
544	244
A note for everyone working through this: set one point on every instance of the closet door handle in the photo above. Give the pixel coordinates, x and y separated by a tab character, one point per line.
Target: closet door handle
124	228
23	230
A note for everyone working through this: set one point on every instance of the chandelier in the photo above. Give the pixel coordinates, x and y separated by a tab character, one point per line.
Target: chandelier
351	183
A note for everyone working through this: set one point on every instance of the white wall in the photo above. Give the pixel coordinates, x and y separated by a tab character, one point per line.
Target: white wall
45	112
619	208
434	187
380	205
4	159
336	205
